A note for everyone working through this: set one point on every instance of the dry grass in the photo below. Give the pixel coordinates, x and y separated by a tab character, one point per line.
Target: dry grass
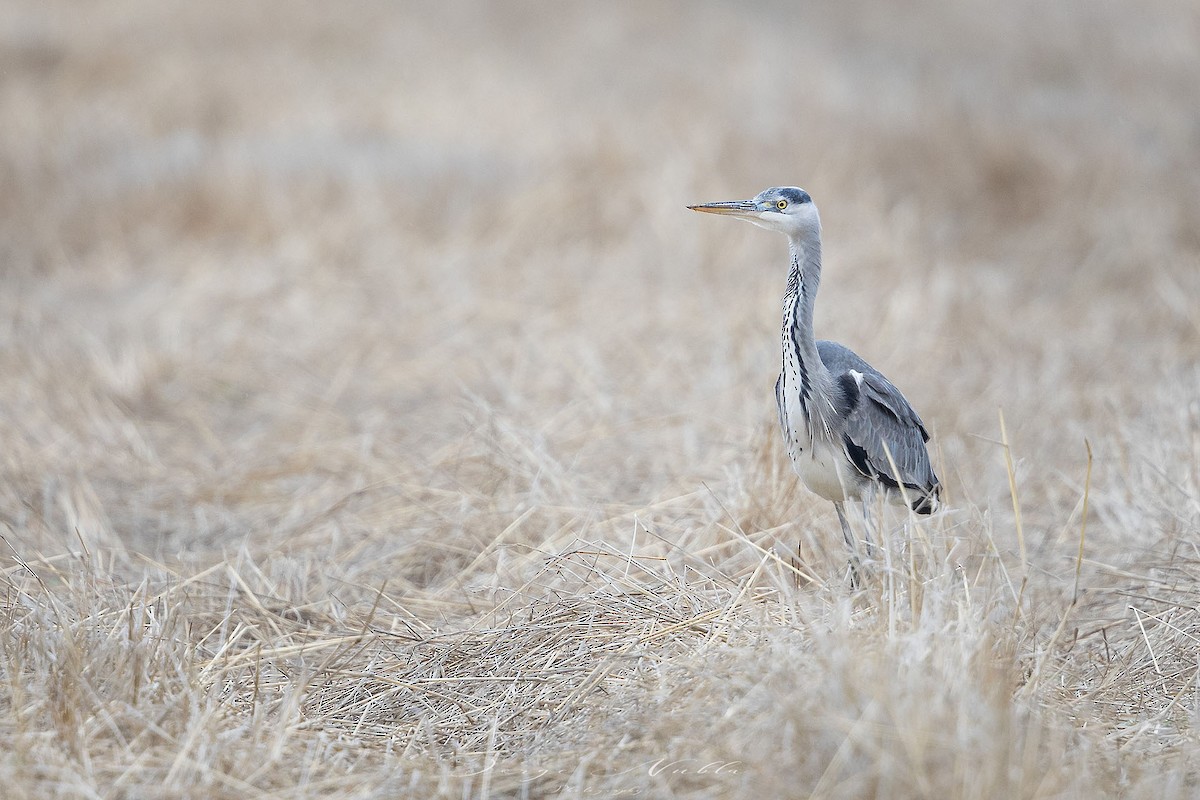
377	422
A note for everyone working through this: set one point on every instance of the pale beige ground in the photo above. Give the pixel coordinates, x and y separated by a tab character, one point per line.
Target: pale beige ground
377	422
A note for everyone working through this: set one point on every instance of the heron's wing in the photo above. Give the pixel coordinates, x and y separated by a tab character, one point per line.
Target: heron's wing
880	423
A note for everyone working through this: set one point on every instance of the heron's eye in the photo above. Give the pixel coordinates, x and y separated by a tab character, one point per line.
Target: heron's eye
781	205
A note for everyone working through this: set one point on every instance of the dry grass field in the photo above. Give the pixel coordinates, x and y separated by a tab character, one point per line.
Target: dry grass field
377	422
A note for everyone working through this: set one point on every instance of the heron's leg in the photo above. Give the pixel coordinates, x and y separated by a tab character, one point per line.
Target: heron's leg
871	519
797	560
849	537
851	542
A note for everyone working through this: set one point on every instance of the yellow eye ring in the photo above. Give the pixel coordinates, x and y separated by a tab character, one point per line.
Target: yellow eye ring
781	205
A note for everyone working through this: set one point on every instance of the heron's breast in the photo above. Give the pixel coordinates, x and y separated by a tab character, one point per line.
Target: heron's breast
823	472
822	468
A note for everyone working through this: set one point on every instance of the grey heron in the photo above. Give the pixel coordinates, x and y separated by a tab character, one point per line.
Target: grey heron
850	433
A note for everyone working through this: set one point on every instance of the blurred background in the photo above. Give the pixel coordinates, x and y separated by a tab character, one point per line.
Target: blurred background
259	256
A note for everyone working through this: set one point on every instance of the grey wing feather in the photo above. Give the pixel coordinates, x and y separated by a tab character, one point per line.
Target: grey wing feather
879	421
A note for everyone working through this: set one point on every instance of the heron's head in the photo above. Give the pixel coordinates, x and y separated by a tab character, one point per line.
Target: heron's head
782	208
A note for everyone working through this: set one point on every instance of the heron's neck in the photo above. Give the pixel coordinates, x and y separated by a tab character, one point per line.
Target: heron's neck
804	278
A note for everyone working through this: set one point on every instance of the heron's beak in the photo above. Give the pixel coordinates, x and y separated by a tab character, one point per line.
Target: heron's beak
736	208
